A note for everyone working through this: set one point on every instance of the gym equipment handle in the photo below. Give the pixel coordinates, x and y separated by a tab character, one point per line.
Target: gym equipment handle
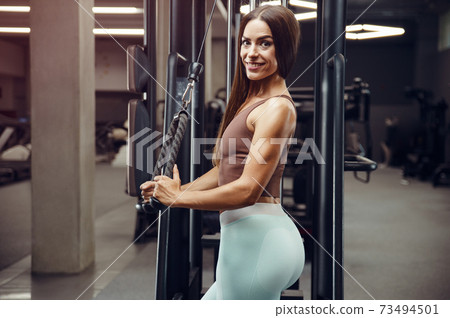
168	155
158	206
358	163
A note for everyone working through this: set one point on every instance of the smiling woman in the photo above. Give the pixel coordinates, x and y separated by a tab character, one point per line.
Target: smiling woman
245	182
258	51
285	35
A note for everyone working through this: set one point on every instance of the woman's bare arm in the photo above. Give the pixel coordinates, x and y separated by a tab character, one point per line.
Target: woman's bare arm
207	181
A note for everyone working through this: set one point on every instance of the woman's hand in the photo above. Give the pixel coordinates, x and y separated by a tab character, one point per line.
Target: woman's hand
166	190
148	189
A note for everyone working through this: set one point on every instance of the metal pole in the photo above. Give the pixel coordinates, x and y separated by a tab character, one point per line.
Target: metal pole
230	11
197	129
317	116
173	242
150	47
328	134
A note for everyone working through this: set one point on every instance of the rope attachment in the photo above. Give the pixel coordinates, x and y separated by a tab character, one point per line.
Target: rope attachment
172	143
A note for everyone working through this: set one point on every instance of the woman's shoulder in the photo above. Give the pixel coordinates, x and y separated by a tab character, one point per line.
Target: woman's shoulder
279	105
276	111
284	97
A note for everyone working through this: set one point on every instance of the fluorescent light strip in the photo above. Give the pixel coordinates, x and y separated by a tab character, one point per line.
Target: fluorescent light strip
118	31
300	16
96	10
14	30
246	8
95	31
306	16
14	9
371	27
117	10
303	4
370	35
375	31
354	28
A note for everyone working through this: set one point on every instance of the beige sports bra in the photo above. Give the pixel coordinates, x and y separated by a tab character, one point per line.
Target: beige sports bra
235	147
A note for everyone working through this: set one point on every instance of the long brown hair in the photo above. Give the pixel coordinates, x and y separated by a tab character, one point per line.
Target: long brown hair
286	36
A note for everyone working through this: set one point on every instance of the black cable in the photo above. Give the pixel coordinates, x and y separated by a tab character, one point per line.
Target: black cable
172	144
206	32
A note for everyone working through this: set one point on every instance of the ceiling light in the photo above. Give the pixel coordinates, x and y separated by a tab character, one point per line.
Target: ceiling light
96	10
354	28
246	8
14	30
117	10
14	9
118	31
303	4
306	15
374	31
371	27
300	16
95	31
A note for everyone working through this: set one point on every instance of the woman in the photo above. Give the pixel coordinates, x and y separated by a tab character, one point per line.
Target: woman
261	252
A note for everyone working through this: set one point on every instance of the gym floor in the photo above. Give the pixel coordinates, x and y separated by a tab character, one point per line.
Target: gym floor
395	244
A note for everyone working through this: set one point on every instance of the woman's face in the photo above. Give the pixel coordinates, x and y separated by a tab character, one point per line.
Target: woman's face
258	50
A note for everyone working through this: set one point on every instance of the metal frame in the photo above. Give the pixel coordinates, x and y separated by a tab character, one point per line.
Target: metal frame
327	280
179	242
177	269
230	11
150	47
197	170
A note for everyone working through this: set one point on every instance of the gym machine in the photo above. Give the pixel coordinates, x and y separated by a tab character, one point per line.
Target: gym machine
327	274
179	236
15	151
298	199
427	158
178	272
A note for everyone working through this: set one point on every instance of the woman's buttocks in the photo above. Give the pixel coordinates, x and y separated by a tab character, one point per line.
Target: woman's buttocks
251	224
247	228
265	236
260	208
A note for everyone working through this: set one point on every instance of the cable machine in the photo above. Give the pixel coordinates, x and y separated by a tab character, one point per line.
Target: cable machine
327	270
179	257
178	269
327	280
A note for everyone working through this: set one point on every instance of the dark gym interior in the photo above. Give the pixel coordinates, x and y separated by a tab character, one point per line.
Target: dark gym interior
395	218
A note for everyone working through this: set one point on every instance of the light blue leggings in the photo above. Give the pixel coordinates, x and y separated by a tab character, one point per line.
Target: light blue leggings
261	254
